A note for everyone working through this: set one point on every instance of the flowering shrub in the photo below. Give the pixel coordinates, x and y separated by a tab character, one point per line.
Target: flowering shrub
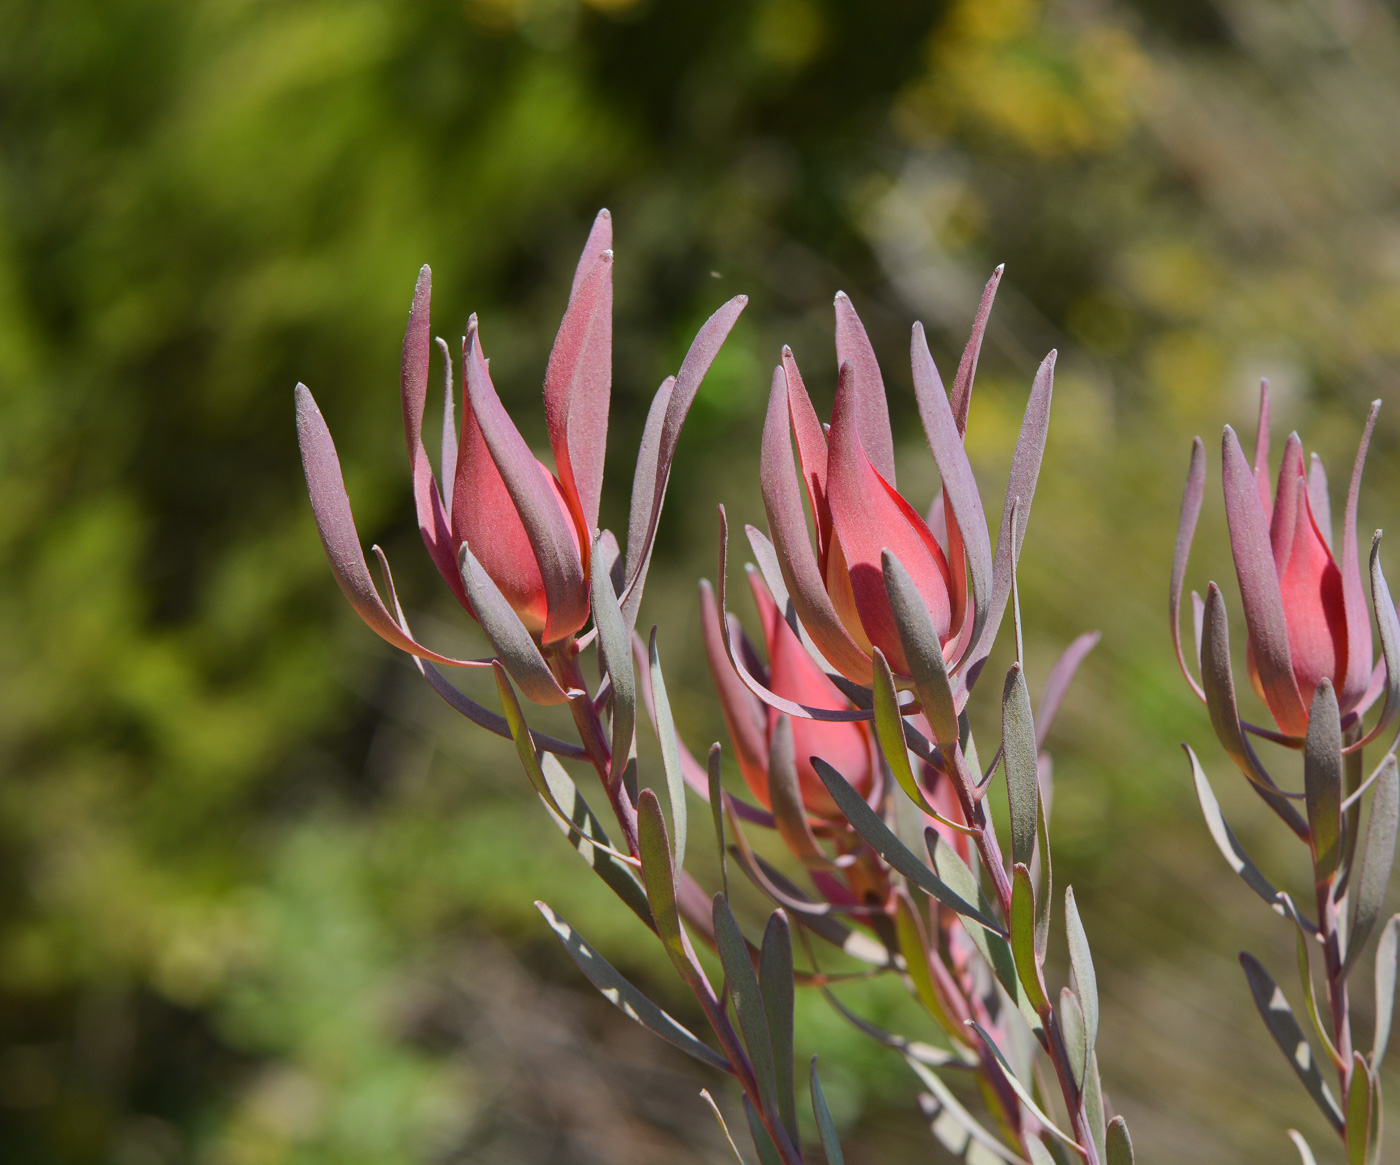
850	724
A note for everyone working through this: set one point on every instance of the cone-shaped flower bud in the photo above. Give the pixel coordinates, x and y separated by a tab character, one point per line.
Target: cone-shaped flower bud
846	746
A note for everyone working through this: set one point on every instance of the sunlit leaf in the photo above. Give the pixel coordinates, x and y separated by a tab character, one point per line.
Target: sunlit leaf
1359	1095
1086	982
1322	781
670	751
1376	861
1023	937
1304	1150
1018	756
1387	964
1072	1025
1021	1091
1117	1142
964	1120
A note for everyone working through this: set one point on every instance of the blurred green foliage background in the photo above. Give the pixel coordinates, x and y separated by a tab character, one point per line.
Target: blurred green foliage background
262	899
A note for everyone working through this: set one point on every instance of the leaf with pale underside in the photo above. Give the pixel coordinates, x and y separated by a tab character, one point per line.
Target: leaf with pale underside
1185	533
1377	859
624	996
615	648
1387	966
1304	941
517	650
1072	1027
670	753
1304	1149
949	1104
922	650
877	834
1082	964
1021	1091
1322	781
723	1126
1278	1018
1018	755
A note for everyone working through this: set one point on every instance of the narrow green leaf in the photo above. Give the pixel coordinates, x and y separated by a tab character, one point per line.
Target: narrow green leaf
585	833
1040	1155
1021	1091
1094	1108
1304	1150
1023	937
624	996
1322	781
748	1000
717	814
969	1124
922	650
913	945
1387	964
1358	1134
615	651
1045	896
1072	1026
1118	1143
1377	1118
1086	982
785	795
724	1128
1377	858
670	751
877	834
1226	841
1018	753
775	981
767	1151
826	1127
659	878
1305	979
914	1049
1278	1018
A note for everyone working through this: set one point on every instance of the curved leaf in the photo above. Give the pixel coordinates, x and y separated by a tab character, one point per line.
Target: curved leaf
826	1127
1018	753
1086	982
670	753
1377	858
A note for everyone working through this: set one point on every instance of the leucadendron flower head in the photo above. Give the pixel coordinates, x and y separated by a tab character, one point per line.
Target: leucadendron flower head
1303	597
517	543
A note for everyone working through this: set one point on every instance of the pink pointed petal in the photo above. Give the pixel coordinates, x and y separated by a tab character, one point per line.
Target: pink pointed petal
1259	590
1288	500
703	350
1320	498
969	525
1313	601
967	366
811	451
1261	450
1360	650
766	560
869	517
600	239
1185	534
447	470
517	650
336	525
793	674
1025	471
744	715
1058	682
788	527
745	674
552	534
853	348
577	389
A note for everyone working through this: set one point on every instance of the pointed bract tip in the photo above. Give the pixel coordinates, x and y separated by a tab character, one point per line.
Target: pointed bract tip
840	295
1197	443
605	213
425	272
787	352
1000	267
741	299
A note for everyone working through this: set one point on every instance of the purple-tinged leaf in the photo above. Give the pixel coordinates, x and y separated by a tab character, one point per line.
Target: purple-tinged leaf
1219	681
853	347
785	794
447	469
547	526
1320	498
715	790
914	1051
866	822
1086	981
748	1001
1359	646
1260	590
959	488
775	982
1185	534
1226	841
1322	780
336	525
1118	1144
1021	1091
517	650
1387	965
600	239
967	366
914	946
1288	499
644	479
968	1136
1388	622
762	691
766	559
615	654
1018	756
577	390
670	752
922	652
1278	1018
811	450
1023	938
762	1141
787	524
1072	1028
703	350
659	878
1261	451
1058	682
1025	471
826	1127
1376	860
623	995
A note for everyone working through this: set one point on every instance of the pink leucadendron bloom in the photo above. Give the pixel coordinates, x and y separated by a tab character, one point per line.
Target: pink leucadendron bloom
794	675
1304	599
